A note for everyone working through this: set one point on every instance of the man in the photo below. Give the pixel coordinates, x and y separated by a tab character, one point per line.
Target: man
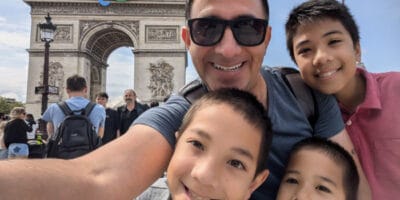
111	130
231	59
76	90
130	111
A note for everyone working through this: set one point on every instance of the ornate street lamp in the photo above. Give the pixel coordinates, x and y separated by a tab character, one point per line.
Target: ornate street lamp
46	35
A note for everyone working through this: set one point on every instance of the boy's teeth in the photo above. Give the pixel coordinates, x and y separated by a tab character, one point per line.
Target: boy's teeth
323	75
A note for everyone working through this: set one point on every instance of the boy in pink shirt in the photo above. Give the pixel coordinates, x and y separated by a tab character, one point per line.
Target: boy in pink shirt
323	40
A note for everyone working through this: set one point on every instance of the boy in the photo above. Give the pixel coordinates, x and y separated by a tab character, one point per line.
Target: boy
221	147
319	169
323	40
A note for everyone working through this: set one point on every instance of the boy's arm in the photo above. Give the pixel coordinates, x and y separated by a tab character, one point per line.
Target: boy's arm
342	138
121	169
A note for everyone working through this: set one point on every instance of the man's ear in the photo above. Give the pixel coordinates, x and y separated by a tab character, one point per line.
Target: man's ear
258	180
268	35
185	34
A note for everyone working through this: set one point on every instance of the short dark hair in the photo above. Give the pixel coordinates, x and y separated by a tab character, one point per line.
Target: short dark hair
247	105
316	10
337	154
189	4
102	94
76	83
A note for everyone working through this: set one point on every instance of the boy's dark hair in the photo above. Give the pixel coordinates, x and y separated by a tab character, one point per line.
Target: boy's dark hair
249	108
102	94
189	4
316	10
338	155
76	83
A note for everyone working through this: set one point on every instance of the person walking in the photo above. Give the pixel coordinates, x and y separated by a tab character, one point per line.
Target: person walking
15	134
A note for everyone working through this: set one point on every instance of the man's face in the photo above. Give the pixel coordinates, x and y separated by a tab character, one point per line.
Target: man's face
227	64
216	157
129	97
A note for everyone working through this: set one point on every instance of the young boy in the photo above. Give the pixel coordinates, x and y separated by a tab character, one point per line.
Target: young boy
323	40
319	169
221	148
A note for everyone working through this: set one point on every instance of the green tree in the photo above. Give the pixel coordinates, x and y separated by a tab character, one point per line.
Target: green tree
6	104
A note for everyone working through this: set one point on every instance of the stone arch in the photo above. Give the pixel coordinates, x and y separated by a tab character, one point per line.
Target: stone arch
113	33
87	33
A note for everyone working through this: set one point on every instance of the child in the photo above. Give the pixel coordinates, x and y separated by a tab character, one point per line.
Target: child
221	149
319	169
323	40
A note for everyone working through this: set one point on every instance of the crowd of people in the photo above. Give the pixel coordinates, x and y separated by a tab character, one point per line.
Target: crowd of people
247	137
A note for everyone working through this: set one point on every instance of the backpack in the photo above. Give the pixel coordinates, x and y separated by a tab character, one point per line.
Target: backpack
303	93
75	135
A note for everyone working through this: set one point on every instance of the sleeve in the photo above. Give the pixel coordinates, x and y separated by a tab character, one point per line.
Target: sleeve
165	118
47	115
329	122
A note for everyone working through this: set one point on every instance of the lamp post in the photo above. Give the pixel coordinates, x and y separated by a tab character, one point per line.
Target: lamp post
46	35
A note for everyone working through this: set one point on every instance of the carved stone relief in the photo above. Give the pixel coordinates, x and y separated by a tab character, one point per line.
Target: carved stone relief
56	78
85	26
63	33
161	79
162	34
125	10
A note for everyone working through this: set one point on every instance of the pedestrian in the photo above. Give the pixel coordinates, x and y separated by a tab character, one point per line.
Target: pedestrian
15	137
111	128
130	111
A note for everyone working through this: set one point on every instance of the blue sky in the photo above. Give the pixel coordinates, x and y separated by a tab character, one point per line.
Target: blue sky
379	23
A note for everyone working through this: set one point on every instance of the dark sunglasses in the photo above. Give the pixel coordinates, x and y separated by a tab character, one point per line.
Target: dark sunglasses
209	31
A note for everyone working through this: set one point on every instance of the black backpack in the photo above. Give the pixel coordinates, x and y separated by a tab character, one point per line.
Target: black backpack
303	93
76	134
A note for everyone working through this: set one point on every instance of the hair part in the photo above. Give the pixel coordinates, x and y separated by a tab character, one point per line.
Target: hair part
189	5
244	104
338	155
317	10
76	83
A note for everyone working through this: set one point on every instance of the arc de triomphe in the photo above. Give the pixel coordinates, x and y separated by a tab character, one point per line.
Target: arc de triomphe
88	32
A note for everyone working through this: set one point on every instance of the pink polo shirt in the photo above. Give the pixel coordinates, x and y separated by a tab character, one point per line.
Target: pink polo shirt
374	129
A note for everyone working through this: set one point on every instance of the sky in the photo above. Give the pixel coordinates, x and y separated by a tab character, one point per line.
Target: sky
378	21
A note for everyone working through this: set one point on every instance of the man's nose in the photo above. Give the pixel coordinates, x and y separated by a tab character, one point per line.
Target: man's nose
228	46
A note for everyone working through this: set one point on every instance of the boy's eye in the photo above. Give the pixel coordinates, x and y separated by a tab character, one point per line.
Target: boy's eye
291	181
303	50
331	42
196	144
323	188
236	164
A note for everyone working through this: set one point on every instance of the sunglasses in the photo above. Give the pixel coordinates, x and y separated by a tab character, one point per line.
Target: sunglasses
209	31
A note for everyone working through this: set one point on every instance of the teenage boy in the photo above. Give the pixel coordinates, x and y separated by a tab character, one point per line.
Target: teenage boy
323	39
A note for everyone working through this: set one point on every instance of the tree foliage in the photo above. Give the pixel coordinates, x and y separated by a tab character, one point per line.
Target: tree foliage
6	104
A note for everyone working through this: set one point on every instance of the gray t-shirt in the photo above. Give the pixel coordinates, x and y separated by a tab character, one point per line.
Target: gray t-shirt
289	124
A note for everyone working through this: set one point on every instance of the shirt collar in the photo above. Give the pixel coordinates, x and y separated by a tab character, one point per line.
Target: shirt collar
372	94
